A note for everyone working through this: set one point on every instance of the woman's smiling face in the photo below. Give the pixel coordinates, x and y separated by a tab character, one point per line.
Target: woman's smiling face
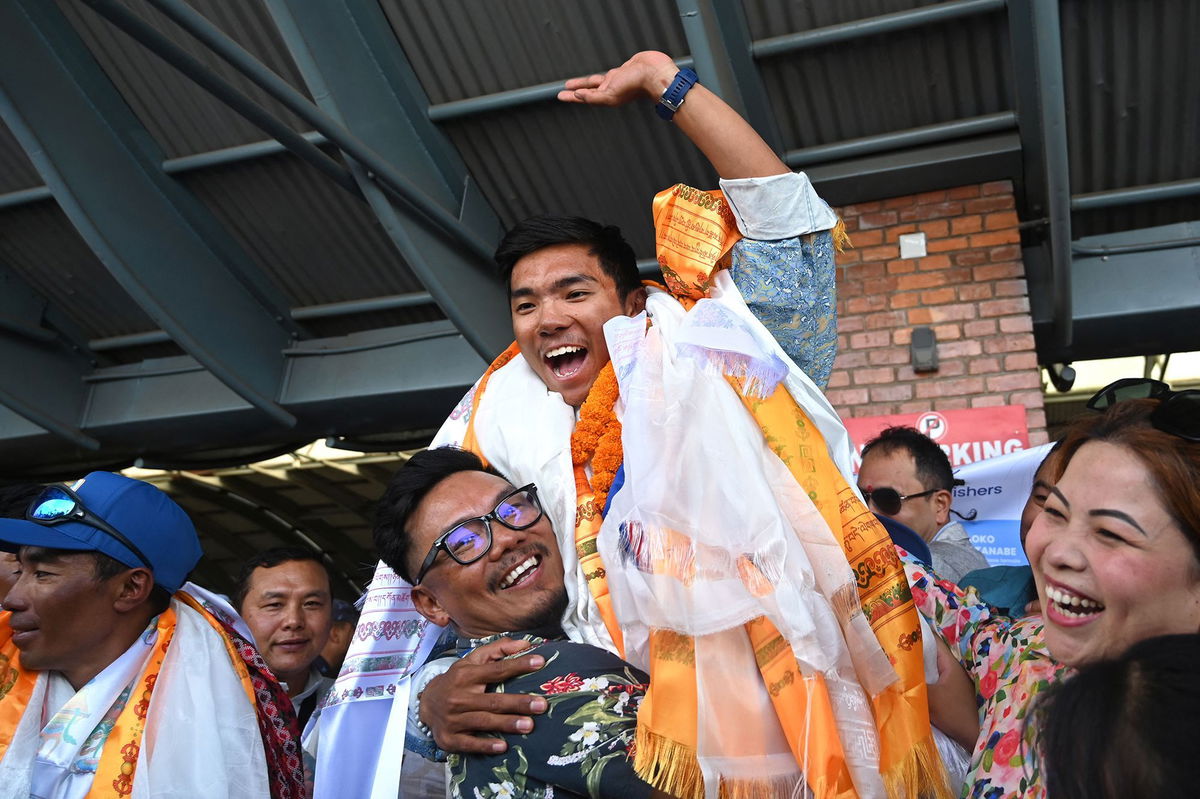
1112	567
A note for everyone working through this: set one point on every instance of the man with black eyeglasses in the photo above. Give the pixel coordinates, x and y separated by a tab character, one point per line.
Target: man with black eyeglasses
907	477
111	675
482	557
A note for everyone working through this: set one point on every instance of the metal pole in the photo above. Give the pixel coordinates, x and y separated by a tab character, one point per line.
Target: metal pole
1043	19
884	142
1136	194
1127	249
514	98
187	163
346	308
872	26
241	152
500	101
376	167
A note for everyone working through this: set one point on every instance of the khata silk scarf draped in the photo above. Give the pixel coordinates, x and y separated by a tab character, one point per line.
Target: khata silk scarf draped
694	233
211	686
898	745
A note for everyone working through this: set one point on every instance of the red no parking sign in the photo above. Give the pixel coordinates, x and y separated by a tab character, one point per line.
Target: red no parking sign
967	436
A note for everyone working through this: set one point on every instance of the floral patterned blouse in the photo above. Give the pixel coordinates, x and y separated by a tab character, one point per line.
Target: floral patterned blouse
1008	661
581	745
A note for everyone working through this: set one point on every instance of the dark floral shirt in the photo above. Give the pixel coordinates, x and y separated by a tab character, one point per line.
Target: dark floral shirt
581	746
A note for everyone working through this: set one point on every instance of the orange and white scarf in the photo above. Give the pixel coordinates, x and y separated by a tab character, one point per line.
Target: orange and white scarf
822	613
199	737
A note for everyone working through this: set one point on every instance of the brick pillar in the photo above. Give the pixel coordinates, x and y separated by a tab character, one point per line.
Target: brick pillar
970	288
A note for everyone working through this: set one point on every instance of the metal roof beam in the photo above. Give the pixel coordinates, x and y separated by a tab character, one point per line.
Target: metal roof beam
719	38
429	217
42	380
234	545
184	164
168	409
336	493
388	302
1036	40
759	49
900	139
354	66
892	174
224	91
1132	297
1134	195
160	243
874	26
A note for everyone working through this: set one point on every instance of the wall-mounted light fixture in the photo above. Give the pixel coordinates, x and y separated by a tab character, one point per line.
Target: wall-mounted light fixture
924	350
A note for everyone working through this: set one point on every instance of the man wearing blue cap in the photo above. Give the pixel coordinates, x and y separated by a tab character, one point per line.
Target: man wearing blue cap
110	675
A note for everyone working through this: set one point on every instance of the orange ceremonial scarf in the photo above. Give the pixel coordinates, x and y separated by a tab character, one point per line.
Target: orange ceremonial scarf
118	761
695	231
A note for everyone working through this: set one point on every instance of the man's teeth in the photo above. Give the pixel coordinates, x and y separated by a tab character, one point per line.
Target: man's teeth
1071	604
567	350
519	572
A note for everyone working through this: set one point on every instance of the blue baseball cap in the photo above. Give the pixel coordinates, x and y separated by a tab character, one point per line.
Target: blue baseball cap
146	516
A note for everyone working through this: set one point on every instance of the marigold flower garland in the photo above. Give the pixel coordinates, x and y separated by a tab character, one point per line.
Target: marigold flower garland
597	435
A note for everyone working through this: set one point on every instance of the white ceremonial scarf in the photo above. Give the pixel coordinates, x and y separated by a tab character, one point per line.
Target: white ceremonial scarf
704	491
201	739
524	430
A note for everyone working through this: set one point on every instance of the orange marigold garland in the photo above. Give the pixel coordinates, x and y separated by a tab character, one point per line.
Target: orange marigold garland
597	436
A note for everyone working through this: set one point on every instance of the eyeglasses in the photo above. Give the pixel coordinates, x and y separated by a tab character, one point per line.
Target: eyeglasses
889	500
468	541
59	505
1178	412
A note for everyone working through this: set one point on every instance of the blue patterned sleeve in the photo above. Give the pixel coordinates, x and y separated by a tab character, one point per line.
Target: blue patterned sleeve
789	286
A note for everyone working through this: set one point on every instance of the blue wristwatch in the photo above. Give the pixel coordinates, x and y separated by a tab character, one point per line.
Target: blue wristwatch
672	98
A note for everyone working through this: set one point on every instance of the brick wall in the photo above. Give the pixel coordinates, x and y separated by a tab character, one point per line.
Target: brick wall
969	287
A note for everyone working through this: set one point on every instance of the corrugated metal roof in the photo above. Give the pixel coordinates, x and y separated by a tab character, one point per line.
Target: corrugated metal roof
890	82
315	241
1132	75
1131	69
41	245
602	164
182	117
467	48
546	158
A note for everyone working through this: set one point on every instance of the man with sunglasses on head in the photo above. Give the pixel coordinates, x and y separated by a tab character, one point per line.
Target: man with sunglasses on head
907	477
482	558
112	677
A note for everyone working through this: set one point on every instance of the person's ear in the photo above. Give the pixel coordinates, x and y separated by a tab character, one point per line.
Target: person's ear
428	606
133	588
941	506
635	301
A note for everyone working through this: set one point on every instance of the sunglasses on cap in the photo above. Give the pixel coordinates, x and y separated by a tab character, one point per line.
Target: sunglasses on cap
471	539
59	505
1178	412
